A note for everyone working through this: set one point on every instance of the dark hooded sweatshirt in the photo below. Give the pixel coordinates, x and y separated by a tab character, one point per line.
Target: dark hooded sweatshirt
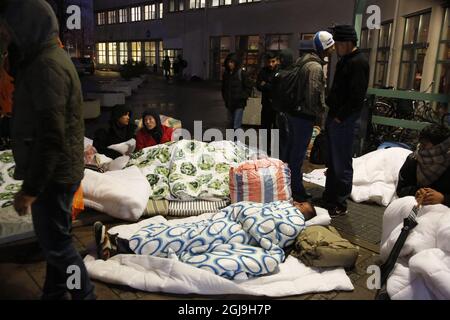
160	134
115	133
47	125
236	87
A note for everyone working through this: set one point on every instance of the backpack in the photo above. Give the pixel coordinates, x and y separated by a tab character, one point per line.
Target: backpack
287	93
319	151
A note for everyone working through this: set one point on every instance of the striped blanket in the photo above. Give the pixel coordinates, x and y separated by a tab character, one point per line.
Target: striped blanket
194	208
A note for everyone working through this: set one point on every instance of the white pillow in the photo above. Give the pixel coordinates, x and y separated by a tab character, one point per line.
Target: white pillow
118	163
122	194
124	148
88	142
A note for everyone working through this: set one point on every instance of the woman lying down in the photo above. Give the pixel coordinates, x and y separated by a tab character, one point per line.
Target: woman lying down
242	240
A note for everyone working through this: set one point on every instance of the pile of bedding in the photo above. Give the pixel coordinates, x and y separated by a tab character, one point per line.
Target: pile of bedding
171	275
12	226
375	175
423	269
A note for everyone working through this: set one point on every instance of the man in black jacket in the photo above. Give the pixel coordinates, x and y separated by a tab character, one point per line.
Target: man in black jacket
47	141
264	84
236	89
345	102
426	173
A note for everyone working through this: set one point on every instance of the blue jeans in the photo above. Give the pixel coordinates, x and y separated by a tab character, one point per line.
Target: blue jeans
341	137
300	133
52	220
236	118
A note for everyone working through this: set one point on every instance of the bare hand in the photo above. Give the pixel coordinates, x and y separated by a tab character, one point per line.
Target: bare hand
263	83
432	197
23	202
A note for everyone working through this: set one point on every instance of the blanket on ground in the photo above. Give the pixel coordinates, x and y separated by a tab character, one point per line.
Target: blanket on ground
244	239
423	268
375	175
154	274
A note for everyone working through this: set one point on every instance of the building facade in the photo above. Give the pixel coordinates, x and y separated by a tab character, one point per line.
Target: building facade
409	51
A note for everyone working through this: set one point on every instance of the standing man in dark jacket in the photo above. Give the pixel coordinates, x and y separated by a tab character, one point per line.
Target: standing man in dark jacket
311	105
264	84
346	100
47	141
236	90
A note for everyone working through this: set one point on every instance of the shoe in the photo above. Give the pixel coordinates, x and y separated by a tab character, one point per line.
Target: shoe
337	211
102	241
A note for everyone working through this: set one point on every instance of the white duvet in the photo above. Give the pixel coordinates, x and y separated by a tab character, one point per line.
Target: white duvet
153	274
375	175
122	194
423	268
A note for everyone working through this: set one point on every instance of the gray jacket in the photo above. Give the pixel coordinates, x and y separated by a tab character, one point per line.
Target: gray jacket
311	86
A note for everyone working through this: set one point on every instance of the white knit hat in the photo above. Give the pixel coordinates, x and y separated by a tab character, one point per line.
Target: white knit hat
322	41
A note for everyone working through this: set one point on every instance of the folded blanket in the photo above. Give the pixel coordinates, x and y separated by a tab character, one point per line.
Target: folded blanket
194	208
156	208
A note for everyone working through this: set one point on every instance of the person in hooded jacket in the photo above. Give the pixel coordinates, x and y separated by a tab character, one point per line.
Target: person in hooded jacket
236	89
120	130
152	131
47	140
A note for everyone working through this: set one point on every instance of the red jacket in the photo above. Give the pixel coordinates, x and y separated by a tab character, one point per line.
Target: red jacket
145	140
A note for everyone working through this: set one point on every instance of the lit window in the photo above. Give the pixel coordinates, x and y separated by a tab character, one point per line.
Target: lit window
443	64
161	10
384	46
123	52
136	14
112	18
277	42
248	48
150	12
101	18
136	54
101	53
217	3
112	53
196	4
248	1
123	15
150	53
176	5
219	49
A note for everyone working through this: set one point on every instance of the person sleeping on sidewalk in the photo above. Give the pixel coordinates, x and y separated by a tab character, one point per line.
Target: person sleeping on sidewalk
152	131
110	245
426	173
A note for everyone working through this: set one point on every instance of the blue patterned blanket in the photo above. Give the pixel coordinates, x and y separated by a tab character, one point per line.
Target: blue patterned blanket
244	239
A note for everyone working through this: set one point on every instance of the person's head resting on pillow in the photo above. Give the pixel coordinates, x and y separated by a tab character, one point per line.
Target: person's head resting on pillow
307	209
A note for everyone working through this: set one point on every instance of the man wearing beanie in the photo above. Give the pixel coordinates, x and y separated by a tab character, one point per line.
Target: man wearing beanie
311	85
345	102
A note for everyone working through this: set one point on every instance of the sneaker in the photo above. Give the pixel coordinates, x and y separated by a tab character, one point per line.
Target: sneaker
337	211
102	241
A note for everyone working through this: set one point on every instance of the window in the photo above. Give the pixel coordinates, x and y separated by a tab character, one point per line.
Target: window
248	48
136	14
101	18
136	53
150	12
123	52
101	53
219	49
123	15
218	3
161	10
277	42
365	42
443	64
150	52
112	53
196	4
112	18
161	53
172	54
176	5
248	1
384	47
414	50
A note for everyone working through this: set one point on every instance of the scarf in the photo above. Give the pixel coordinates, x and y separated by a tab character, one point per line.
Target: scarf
432	163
